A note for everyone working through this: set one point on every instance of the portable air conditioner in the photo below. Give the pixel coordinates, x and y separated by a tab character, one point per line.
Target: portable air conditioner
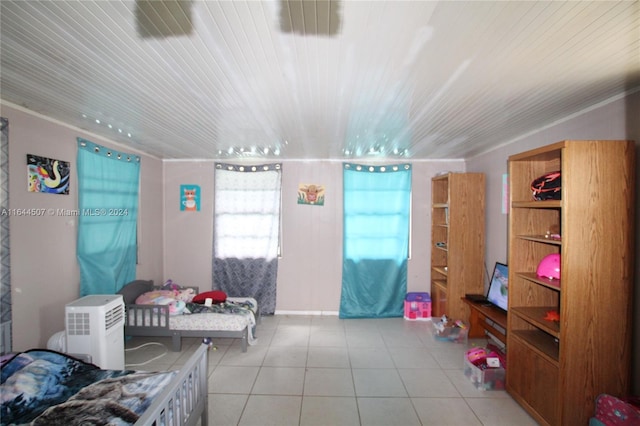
94	325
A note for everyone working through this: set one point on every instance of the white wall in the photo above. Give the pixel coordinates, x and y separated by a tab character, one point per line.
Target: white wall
310	269
44	271
188	236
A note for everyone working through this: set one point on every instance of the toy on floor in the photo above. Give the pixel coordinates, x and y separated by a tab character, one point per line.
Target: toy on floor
207	341
453	331
613	411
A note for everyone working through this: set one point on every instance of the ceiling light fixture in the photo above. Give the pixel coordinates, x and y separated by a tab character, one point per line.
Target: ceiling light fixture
252	151
101	122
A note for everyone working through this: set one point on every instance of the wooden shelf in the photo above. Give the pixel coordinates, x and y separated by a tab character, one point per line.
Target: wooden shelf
540	239
532	204
541	343
440	283
457	220
546	282
480	313
556	370
535	316
440	269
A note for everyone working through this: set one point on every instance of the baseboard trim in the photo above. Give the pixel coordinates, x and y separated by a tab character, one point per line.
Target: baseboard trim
318	313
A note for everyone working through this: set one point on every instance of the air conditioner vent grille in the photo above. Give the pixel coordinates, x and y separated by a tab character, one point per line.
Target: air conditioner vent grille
113	317
78	324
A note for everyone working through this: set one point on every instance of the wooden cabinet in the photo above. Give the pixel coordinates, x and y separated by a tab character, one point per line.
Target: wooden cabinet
457	237
556	369
485	319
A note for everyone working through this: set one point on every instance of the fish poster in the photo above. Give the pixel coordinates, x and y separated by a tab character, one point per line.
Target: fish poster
47	175
311	194
190	198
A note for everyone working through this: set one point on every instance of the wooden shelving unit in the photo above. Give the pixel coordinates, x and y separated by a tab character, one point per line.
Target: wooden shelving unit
557	369
486	319
457	241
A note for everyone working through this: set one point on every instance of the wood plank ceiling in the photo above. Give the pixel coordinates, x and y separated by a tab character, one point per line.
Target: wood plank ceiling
315	79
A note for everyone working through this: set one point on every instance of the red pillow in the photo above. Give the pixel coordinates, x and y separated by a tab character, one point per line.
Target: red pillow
216	296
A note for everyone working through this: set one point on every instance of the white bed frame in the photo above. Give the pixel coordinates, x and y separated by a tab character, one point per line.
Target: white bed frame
184	401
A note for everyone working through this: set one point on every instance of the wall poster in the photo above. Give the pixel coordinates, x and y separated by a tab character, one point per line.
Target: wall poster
311	194
47	175
190	198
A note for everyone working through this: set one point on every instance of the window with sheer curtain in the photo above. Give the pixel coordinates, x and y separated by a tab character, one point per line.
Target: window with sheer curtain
108	184
247	231
377	208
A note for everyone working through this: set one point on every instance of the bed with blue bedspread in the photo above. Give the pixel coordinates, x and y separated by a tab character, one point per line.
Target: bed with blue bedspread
44	387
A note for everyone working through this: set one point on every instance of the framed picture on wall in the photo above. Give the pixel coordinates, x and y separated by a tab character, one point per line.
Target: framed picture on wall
190	198
311	194
47	175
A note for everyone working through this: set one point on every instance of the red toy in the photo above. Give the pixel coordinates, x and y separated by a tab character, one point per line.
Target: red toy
552	316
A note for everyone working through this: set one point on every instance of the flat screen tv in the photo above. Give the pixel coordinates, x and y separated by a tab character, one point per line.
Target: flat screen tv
499	286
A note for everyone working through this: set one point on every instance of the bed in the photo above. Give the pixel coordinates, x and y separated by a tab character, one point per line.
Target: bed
44	387
234	319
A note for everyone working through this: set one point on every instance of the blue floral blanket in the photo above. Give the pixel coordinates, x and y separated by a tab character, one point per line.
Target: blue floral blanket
41	387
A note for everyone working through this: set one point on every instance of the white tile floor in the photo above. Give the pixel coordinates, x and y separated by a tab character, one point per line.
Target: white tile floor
312	370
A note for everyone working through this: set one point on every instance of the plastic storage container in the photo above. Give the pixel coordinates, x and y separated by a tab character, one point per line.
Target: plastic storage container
453	331
491	378
417	306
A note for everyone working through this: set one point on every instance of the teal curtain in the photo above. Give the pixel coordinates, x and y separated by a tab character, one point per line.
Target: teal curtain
107	221
377	205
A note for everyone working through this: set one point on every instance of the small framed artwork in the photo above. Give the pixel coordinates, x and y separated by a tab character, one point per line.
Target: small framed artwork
311	194
47	175
190	198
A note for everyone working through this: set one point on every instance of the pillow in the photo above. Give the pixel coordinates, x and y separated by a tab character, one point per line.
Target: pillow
186	295
131	291
157	297
217	296
177	307
163	297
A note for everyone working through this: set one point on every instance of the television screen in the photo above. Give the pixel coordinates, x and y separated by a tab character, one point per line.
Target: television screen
498	286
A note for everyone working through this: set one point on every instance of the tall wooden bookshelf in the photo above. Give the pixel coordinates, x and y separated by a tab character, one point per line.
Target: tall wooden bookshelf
556	369
457	236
